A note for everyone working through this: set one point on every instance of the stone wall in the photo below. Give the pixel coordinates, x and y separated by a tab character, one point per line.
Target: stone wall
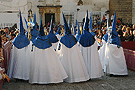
133	11
123	9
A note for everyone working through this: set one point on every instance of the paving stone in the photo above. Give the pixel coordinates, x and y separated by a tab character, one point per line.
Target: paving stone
103	83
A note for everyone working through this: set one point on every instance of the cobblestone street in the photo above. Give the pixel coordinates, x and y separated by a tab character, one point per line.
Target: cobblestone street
104	83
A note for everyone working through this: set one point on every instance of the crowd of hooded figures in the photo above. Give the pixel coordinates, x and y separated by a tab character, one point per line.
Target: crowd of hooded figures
55	58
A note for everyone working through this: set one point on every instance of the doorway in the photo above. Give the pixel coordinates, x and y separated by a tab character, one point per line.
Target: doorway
48	17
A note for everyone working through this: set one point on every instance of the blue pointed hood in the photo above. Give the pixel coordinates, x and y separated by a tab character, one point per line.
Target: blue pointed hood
41	42
68	39
51	35
90	26
21	40
114	38
58	31
73	28
26	23
67	30
86	39
85	27
34	32
78	31
69	24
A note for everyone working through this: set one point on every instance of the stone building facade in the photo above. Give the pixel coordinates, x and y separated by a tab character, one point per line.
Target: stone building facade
123	9
73	9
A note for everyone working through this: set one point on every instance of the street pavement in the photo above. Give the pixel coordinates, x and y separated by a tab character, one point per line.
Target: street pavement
103	83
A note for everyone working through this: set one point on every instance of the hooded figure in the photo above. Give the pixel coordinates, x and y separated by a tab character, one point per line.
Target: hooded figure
88	47
71	57
103	45
45	66
114	60
34	32
19	63
52	37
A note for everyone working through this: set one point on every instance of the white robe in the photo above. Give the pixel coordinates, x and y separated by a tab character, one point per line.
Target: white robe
19	63
73	63
46	67
58	36
92	60
114	61
54	45
102	53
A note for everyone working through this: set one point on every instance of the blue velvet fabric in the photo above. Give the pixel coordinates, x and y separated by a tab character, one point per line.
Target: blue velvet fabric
51	35
105	37
69	24
92	33
34	33
21	40
85	27
114	38
86	39
42	42
68	40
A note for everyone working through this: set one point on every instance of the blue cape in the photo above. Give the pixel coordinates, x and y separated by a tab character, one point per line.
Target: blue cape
68	40
86	39
21	41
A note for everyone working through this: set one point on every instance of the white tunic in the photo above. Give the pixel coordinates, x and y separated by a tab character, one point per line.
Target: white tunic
102	53
19	63
114	61
54	45
92	60
46	67
73	63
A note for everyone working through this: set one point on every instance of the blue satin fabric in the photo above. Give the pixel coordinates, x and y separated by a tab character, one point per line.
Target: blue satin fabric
68	40
21	41
52	37
114	39
105	37
93	33
86	39
42	42
34	33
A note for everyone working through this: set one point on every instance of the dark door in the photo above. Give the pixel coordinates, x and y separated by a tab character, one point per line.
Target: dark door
48	17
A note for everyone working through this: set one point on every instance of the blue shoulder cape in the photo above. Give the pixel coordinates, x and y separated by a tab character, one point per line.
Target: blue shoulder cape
86	39
21	41
42	42
68	40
